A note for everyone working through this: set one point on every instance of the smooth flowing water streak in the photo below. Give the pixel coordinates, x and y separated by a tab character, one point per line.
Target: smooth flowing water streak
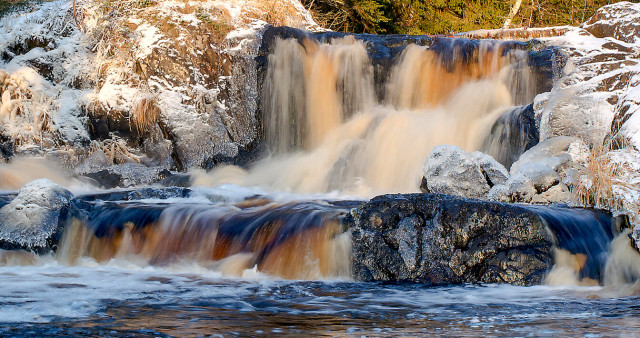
327	132
311	89
21	170
623	264
426	77
301	240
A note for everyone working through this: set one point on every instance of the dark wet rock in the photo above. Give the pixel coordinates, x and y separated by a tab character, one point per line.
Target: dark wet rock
441	239
619	21
104	123
137	194
176	180
106	179
7	148
34	219
451	170
511	135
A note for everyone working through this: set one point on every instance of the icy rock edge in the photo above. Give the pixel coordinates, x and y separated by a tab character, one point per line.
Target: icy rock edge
34	219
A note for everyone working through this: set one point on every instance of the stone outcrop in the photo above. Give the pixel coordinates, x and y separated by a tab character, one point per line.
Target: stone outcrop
618	20
442	239
596	95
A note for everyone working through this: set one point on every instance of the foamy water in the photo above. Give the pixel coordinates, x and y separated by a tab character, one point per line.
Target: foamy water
216	262
117	298
327	131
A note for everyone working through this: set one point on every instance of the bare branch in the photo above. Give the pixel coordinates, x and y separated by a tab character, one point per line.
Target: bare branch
512	14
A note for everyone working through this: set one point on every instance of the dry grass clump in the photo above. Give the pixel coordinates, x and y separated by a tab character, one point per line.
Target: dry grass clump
597	179
115	150
331	14
145	114
611	180
275	13
25	116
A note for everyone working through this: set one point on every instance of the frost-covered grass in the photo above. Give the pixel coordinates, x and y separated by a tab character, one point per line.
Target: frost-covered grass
62	67
42	78
597	180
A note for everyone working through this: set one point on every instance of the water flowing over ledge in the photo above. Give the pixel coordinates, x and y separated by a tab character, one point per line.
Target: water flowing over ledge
428	238
290	126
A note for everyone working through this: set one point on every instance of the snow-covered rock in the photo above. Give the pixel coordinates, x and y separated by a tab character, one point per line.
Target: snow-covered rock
626	123
450	170
34	219
552	153
620	20
170	85
542	173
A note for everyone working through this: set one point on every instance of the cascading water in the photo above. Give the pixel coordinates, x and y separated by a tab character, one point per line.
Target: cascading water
293	240
327	131
329	127
311	89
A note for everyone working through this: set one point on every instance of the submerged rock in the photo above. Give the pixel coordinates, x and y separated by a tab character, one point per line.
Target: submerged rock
451	170
442	239
34	219
137	194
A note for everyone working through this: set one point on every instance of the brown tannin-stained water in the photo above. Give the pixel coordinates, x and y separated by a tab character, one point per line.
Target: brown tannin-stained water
265	251
238	265
328	131
295	240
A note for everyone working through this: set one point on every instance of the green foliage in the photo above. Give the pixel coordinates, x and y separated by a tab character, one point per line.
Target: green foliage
446	16
203	16
368	15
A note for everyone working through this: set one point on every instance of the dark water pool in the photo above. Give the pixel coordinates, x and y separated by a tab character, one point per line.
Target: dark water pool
121	299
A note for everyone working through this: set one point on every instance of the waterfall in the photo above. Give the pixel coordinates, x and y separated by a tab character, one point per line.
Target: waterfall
312	88
301	240
327	131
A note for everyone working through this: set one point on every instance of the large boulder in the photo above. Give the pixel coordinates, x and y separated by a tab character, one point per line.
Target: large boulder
34	219
625	128
450	170
442	239
619	21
